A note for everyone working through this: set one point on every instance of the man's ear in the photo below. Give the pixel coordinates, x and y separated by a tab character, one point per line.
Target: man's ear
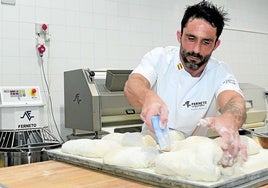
218	42
179	36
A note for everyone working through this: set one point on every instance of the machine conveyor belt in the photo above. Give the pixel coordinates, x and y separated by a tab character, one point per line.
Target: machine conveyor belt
251	179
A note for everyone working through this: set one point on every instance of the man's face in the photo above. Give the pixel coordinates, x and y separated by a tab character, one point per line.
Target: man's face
193	60
198	41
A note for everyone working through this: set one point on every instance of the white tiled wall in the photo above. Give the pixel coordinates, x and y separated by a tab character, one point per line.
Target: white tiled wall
101	34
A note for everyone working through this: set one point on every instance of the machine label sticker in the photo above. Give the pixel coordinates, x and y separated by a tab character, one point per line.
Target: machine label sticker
28	115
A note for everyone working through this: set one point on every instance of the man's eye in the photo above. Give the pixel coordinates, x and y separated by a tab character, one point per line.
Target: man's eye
191	38
206	42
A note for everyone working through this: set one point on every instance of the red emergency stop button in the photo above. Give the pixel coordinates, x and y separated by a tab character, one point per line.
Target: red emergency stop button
33	91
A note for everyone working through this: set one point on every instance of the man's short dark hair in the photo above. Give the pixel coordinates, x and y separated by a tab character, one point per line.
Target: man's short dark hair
214	15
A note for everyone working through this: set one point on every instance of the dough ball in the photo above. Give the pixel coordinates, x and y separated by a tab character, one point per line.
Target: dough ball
196	158
132	139
252	146
114	136
256	162
190	142
176	145
137	139
149	141
176	135
132	157
89	148
71	146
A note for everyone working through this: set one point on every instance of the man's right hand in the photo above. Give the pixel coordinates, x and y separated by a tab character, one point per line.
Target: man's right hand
153	105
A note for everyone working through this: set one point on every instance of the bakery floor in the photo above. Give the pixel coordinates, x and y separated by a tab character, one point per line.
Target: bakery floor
58	174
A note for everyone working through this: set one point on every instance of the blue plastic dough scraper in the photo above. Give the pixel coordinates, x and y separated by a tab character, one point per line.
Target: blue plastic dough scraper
162	134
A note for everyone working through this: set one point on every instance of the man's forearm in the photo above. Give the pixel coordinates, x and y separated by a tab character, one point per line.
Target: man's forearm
136	89
236	108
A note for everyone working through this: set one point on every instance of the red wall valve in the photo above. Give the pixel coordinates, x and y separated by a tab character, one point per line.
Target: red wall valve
41	49
44	27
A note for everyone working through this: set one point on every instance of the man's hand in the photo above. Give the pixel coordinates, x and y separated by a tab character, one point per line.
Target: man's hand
231	144
233	115
152	106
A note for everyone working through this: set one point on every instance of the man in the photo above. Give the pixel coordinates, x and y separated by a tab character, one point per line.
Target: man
183	85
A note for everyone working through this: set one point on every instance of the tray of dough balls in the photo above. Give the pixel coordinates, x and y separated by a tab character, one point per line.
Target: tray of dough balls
191	162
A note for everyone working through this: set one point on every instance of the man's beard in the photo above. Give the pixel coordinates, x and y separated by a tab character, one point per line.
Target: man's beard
192	64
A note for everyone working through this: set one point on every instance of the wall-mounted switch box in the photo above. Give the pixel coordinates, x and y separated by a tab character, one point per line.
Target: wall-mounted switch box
8	2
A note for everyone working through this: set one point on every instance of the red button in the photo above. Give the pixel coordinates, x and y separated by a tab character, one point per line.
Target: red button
33	91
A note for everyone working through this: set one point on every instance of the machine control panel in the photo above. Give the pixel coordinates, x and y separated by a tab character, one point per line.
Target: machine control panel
20	95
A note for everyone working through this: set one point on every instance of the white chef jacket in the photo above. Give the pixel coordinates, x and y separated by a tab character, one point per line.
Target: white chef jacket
188	98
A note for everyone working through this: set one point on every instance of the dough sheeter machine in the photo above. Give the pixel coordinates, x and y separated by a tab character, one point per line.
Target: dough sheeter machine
94	103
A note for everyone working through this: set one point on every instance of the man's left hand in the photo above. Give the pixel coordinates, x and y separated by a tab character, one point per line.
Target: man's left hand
231	144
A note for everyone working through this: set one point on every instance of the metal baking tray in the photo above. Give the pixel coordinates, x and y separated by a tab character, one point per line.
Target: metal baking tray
254	179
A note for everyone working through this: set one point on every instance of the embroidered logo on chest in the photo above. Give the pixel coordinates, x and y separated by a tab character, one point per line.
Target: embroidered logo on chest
197	105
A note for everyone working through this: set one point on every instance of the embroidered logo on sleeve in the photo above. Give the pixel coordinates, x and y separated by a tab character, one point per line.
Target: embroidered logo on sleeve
229	81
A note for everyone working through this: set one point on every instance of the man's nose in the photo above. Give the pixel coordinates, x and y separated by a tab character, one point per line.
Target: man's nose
197	47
